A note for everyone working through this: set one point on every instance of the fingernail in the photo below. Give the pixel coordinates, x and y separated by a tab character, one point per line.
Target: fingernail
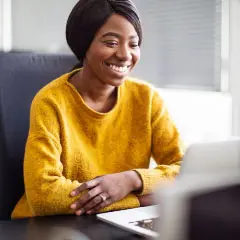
89	212
73	206
73	194
80	212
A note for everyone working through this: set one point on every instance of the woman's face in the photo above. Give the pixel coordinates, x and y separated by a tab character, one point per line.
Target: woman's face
114	51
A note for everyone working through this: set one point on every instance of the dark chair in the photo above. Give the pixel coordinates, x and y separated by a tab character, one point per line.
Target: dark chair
21	77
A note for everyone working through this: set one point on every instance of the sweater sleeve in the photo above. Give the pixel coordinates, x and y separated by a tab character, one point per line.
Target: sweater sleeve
167	147
47	189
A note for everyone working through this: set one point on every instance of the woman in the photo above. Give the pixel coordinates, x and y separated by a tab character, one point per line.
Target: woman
93	130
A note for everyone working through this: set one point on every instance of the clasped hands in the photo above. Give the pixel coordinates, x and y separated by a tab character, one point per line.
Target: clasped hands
105	190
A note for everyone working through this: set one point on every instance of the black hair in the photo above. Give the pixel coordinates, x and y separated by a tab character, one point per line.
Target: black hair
88	16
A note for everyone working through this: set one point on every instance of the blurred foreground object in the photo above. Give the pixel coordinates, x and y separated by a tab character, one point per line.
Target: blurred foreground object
203	202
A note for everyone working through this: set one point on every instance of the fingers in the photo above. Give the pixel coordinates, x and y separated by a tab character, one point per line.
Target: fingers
100	206
85	186
91	194
90	205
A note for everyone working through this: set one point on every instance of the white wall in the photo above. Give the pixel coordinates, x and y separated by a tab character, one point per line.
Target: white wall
5	25
200	115
1	24
40	25
235	63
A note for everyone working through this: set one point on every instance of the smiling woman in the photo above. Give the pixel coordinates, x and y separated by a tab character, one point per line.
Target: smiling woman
93	130
113	52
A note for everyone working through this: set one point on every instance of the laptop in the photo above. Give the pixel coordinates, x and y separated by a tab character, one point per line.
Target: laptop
200	158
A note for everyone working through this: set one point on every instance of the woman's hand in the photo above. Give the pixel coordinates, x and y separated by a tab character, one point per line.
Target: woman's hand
146	200
105	190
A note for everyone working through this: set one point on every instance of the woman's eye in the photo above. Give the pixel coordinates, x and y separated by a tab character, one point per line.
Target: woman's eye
134	45
111	44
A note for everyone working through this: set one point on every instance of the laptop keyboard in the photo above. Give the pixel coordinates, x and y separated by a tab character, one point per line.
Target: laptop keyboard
150	224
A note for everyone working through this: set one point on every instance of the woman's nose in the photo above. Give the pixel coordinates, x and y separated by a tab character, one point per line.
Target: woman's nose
124	53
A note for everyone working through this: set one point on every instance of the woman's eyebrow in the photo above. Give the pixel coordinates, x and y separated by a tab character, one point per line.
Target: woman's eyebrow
114	34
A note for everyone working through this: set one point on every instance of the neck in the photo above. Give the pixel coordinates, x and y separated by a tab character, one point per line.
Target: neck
92	88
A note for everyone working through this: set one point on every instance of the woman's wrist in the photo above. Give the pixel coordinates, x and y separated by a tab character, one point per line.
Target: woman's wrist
136	181
146	200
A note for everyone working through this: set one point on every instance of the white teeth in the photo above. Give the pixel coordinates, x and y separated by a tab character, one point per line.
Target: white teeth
118	69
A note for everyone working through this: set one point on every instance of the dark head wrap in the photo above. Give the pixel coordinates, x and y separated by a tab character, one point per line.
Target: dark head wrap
89	15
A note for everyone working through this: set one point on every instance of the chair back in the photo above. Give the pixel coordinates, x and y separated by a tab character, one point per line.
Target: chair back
22	75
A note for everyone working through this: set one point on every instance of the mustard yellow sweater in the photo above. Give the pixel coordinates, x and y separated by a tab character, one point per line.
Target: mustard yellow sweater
70	143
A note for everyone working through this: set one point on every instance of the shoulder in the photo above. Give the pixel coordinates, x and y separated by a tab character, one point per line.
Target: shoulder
138	84
52	92
146	94
141	88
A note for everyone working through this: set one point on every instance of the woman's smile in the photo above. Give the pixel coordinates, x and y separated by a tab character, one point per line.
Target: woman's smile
118	69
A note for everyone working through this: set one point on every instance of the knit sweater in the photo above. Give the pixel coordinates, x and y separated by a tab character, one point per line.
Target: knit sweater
70	143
